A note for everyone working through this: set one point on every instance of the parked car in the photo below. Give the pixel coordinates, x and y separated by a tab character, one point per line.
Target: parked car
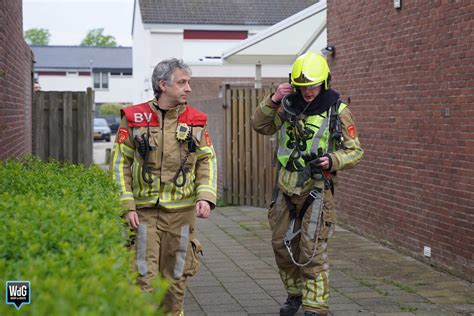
101	129
113	121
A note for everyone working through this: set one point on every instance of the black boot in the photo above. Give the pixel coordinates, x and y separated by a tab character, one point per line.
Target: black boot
290	307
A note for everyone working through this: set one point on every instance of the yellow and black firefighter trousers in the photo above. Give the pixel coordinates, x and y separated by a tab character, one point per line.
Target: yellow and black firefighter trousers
312	280
165	245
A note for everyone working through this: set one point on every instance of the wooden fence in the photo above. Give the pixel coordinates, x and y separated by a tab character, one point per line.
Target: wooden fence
249	176
62	126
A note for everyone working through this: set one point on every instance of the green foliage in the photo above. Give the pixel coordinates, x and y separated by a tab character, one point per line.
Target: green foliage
95	37
62	231
37	36
111	109
409	309
221	203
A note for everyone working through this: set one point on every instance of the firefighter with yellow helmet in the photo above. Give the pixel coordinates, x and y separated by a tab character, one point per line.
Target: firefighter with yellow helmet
164	165
316	138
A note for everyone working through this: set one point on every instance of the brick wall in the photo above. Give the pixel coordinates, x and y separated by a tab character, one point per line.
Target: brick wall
15	83
410	76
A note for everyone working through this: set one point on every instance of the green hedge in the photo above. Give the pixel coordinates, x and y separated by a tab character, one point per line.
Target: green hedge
61	230
111	109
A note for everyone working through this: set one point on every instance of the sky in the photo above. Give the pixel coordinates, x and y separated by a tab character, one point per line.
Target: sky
68	21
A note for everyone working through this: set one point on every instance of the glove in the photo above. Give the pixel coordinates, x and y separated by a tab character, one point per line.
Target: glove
312	161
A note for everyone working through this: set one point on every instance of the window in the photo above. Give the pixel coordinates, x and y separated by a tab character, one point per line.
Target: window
96	80
101	80
105	80
120	73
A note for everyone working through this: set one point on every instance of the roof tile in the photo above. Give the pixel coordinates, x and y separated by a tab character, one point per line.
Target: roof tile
82	57
235	12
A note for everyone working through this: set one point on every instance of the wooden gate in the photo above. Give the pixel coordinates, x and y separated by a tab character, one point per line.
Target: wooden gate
62	125
249	176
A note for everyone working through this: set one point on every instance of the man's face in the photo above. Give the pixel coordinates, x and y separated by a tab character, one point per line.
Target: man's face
179	90
310	93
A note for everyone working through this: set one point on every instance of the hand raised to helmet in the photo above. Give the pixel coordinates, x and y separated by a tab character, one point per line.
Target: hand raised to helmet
282	90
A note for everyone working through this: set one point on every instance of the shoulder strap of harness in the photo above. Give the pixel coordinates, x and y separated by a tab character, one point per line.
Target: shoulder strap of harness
335	127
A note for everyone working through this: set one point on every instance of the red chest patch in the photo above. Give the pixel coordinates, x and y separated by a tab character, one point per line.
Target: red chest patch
141	119
351	130
208	138
140	115
122	135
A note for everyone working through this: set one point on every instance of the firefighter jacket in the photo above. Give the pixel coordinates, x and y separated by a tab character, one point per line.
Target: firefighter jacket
179	172
268	120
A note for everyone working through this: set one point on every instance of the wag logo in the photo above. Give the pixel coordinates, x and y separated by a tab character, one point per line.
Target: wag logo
17	293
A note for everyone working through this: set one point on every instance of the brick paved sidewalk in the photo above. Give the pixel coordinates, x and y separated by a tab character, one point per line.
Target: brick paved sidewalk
239	277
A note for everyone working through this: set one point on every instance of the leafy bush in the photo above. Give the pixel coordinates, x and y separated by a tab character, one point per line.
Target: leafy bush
61	230
111	109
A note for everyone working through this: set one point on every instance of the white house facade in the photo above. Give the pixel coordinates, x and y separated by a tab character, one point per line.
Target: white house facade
108	70
199	33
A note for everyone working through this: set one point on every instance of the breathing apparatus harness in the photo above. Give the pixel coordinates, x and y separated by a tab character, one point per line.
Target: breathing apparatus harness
300	132
316	195
144	149
184	135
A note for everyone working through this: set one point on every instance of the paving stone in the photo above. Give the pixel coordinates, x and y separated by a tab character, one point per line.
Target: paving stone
373	301
394	314
353	289
257	303
352	313
263	309
345	307
436	313
238	275
236	291
338	299
360	294
195	313
384	308
468	308
192	307
244	289
216	298
222	308
226	314
205	289
447	300
251	296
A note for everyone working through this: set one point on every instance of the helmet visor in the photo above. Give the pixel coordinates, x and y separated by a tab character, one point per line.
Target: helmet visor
303	81
309	87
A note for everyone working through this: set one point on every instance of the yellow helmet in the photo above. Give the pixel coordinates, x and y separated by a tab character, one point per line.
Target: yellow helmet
310	69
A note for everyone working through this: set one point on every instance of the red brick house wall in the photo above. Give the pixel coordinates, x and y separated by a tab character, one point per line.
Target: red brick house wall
409	73
15	83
